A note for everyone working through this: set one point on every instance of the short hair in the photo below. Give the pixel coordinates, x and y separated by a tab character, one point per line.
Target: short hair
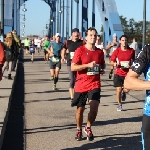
135	38
123	36
90	29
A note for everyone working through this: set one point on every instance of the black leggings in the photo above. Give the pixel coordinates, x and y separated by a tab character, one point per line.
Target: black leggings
72	77
146	132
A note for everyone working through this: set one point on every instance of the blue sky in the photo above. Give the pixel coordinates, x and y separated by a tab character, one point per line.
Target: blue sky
38	13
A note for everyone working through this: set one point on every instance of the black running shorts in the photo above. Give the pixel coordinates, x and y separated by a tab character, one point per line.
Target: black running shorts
118	80
81	98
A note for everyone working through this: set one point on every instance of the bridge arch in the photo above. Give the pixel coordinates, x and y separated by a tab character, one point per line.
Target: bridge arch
73	13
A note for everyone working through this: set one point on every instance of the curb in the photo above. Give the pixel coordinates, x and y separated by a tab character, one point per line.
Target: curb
9	104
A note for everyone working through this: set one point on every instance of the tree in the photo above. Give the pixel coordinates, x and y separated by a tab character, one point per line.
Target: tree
135	29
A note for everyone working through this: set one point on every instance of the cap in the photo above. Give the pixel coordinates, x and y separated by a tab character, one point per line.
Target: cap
114	34
14	31
57	34
75	30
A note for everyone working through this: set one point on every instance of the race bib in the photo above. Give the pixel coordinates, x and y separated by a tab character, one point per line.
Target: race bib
71	55
124	64
93	71
53	59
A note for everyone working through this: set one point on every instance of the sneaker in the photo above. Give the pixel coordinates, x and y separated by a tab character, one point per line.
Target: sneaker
54	87
79	135
119	108
89	133
123	96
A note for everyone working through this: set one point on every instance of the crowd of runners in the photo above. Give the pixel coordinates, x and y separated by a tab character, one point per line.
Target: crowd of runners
85	61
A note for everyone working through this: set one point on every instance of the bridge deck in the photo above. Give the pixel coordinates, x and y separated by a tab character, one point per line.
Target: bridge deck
47	121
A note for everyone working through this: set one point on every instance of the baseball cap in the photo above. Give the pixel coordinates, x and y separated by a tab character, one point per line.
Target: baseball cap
75	30
14	31
114	34
57	34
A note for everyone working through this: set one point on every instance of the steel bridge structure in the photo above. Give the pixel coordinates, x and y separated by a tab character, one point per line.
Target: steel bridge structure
68	14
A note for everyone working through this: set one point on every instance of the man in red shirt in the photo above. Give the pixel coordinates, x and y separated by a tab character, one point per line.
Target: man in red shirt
88	62
124	56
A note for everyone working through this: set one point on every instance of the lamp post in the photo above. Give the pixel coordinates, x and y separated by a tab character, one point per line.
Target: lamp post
23	24
24	9
144	23
24	19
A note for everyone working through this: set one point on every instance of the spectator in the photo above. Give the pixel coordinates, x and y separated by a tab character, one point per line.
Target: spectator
9	47
1	35
2	58
134	45
16	50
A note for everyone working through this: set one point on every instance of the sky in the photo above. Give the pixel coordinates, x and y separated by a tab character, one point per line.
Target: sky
38	13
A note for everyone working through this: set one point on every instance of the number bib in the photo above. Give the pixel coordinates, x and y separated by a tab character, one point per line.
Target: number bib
93	71
71	55
53	59
124	64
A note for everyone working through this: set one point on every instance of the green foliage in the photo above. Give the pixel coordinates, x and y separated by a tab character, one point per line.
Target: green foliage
135	29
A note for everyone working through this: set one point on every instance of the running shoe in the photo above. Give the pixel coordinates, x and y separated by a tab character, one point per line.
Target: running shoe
119	108
51	78
123	96
54	87
79	135
89	133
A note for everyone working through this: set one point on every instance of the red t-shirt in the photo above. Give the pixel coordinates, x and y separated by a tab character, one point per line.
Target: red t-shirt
88	79
123	58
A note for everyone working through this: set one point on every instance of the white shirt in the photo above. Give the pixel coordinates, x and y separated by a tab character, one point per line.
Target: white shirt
39	43
36	41
100	47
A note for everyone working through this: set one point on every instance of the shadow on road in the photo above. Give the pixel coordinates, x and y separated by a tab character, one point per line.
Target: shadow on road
118	120
14	136
114	143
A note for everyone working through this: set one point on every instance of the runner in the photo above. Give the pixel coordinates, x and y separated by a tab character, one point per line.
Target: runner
32	50
27	44
112	45
69	48
55	58
124	56
142	65
45	45
39	41
88	61
35	43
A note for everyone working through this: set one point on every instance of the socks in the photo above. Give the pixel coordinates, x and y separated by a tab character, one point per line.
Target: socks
79	128
55	80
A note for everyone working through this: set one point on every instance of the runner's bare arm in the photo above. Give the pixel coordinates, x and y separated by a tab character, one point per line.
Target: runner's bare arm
76	67
112	65
108	47
50	51
132	82
63	52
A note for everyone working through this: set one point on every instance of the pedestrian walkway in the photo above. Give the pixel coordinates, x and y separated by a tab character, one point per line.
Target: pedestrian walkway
49	121
5	100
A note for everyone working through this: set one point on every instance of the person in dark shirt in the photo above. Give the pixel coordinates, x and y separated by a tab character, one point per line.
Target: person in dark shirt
32	50
69	48
133	82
